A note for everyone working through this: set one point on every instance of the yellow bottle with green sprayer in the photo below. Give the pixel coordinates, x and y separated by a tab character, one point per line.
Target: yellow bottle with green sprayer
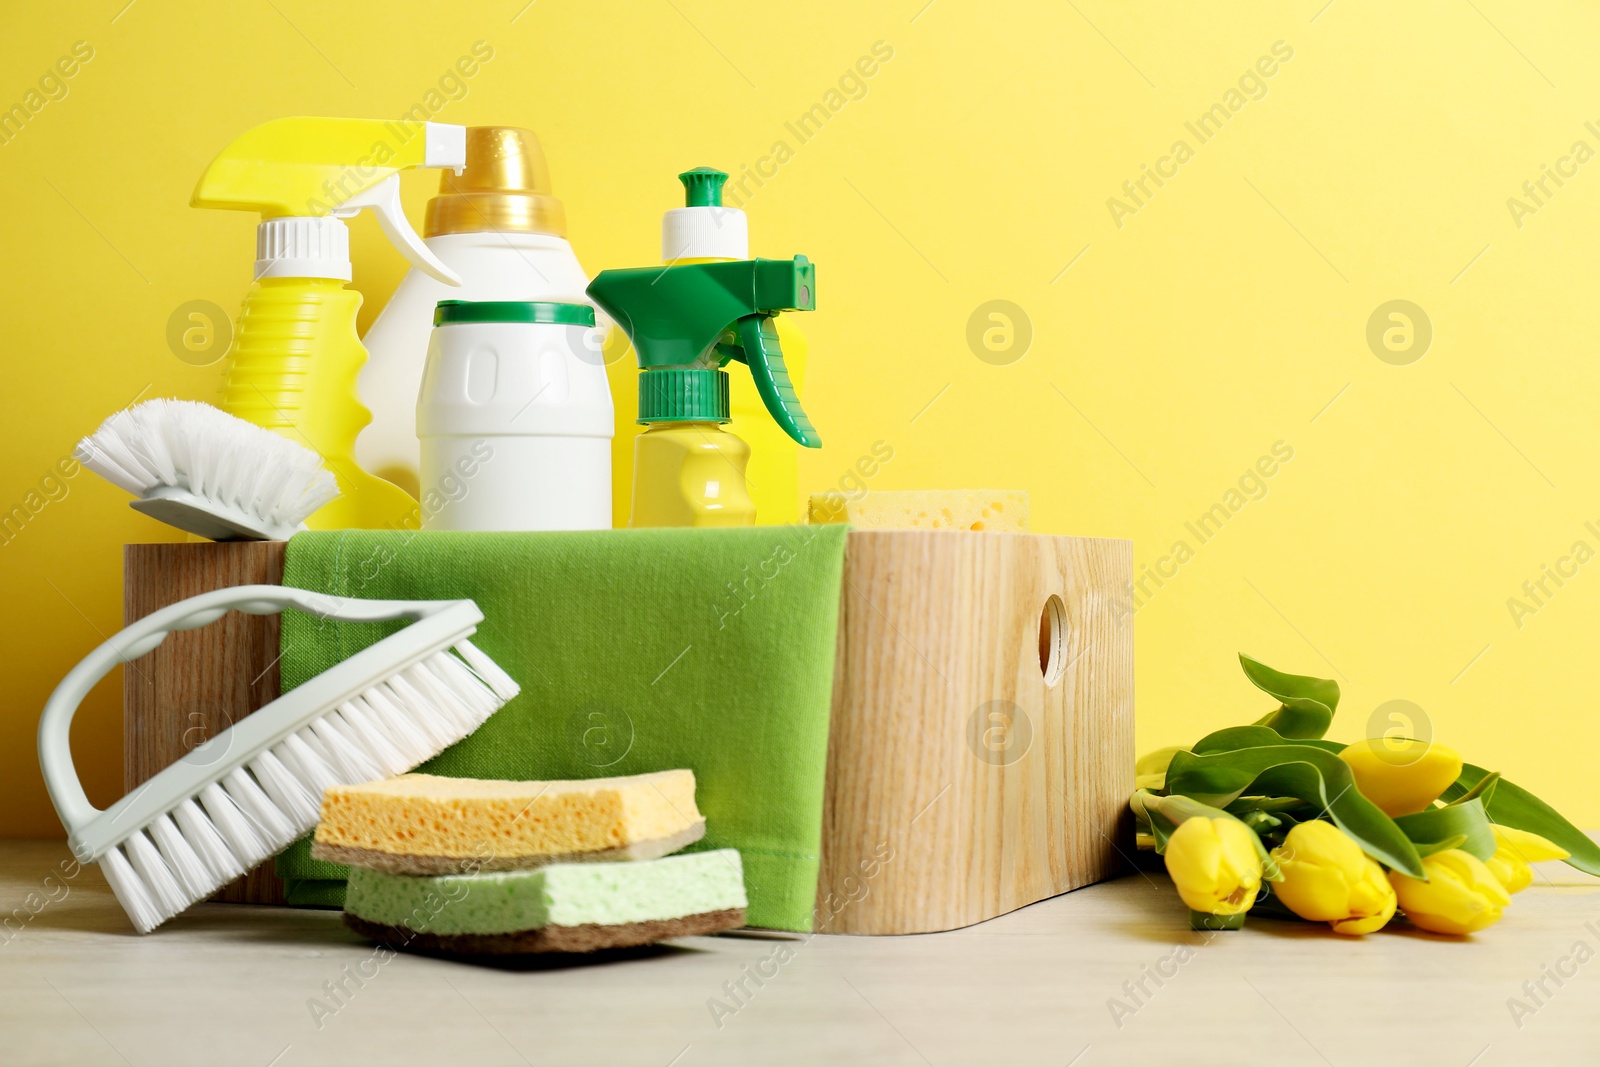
686	322
296	355
704	230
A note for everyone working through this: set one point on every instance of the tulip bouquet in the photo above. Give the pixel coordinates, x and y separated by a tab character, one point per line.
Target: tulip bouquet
1274	817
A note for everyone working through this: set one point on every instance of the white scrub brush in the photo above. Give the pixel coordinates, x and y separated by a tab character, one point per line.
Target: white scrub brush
200	469
251	790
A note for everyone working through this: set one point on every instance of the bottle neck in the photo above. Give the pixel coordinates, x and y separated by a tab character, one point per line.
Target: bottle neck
330	285
303	247
699	427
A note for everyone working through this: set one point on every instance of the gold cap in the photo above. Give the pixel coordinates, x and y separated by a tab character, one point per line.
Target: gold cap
505	187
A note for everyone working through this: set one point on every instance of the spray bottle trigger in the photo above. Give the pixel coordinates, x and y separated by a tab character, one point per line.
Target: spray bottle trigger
384	200
758	337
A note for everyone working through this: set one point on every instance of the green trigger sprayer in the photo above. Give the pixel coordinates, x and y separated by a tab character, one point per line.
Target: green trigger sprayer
687	322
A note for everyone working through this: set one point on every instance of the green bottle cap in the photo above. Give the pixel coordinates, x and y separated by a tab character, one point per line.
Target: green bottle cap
512	311
702	187
679	394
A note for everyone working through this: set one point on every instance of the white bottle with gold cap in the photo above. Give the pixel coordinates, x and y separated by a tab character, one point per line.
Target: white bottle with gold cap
498	227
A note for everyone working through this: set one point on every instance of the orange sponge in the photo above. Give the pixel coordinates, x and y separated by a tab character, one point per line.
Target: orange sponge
423	824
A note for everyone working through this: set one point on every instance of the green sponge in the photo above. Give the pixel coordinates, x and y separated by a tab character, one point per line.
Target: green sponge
565	907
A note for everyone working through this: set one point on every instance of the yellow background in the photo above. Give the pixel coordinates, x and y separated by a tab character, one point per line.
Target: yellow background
1227	314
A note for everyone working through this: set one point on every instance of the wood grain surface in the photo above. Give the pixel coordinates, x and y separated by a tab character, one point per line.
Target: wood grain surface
962	784
197	683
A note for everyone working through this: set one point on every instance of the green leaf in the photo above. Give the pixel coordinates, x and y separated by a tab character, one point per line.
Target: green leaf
1299	718
1304	771
1513	806
1484	790
1308	703
1286	687
1260	822
1237	737
1464	822
1271	817
1441	846
1271	805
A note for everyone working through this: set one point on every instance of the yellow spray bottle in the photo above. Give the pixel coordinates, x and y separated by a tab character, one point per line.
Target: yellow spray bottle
686	322
296	355
705	230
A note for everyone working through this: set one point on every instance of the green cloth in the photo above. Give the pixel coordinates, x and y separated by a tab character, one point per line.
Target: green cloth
636	650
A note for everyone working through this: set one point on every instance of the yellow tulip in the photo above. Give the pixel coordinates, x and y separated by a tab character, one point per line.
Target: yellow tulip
1327	878
1514	851
1215	865
1461	895
1401	775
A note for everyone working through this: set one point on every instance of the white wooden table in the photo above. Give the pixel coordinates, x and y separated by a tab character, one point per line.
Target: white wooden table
234	984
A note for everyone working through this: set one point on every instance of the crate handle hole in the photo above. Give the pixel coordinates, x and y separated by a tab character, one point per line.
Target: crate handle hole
1053	640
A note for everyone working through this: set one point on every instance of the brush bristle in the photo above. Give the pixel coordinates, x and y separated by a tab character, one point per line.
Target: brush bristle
188	445
273	797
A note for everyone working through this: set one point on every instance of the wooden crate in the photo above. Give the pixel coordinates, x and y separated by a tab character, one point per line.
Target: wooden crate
197	683
987	784
980	752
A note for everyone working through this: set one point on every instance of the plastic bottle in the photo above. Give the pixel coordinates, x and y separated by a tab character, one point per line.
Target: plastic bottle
685	323
515	419
690	474
295	356
704	231
497	226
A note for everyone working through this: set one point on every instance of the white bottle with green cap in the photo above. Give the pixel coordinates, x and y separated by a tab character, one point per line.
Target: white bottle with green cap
515	418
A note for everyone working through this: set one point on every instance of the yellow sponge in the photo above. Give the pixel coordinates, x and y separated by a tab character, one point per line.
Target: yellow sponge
1004	510
423	824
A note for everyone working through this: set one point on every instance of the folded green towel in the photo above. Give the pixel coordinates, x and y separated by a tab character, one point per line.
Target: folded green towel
637	650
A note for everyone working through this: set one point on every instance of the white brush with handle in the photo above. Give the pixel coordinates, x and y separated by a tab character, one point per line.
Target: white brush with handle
196	467
251	790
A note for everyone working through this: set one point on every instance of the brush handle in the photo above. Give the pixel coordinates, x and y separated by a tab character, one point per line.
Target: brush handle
55	724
